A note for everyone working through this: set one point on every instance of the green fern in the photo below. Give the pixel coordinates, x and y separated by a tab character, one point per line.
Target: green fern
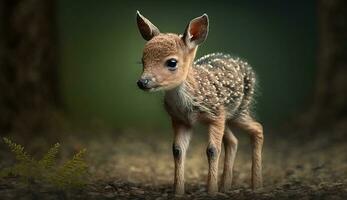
26	167
49	159
70	175
18	150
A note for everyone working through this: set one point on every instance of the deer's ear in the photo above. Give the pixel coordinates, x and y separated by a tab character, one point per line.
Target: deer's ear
196	31
146	28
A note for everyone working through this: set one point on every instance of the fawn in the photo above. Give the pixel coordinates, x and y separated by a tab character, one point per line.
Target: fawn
216	90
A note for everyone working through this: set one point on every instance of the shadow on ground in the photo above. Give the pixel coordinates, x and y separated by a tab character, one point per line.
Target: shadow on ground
132	165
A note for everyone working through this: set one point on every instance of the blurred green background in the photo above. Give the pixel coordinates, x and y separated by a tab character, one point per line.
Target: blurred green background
100	47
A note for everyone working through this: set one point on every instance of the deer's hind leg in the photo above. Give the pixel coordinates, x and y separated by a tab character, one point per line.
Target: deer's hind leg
255	129
230	147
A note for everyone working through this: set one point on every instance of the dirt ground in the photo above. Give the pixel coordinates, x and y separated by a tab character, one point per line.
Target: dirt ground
133	165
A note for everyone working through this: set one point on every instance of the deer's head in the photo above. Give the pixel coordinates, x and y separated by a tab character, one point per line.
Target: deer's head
167	57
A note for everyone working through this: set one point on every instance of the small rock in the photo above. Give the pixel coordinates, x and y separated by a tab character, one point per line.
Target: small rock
93	193
165	195
222	194
138	191
109	188
109	195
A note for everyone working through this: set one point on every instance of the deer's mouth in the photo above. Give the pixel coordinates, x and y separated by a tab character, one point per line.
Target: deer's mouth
155	88
151	88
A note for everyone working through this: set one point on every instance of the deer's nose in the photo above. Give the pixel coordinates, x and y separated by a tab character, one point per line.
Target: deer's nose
143	83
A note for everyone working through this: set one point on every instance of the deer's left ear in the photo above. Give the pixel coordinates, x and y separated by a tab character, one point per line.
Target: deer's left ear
196	31
146	28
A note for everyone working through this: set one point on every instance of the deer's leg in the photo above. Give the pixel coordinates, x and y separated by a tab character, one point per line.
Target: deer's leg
230	147
255	129
216	132
179	148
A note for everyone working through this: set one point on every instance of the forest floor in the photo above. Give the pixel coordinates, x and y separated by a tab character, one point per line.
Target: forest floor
132	165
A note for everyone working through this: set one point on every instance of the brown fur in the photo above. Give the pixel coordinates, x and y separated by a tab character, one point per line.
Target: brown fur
157	51
216	90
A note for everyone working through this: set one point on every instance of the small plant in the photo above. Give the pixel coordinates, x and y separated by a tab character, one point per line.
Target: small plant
72	174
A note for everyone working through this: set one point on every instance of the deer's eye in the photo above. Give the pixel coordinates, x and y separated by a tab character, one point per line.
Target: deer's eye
171	64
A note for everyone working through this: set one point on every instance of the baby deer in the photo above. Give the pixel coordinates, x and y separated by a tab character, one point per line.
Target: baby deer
216	90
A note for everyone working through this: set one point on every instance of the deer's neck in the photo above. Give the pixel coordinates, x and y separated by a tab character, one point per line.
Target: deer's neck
179	102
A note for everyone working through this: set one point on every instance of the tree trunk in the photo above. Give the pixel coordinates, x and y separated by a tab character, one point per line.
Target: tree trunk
329	109
28	64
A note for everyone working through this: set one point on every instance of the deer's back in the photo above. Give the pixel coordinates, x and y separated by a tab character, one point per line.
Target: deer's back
224	80
217	80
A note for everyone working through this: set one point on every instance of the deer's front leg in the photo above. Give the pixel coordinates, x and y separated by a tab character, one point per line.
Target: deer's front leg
179	148
216	131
